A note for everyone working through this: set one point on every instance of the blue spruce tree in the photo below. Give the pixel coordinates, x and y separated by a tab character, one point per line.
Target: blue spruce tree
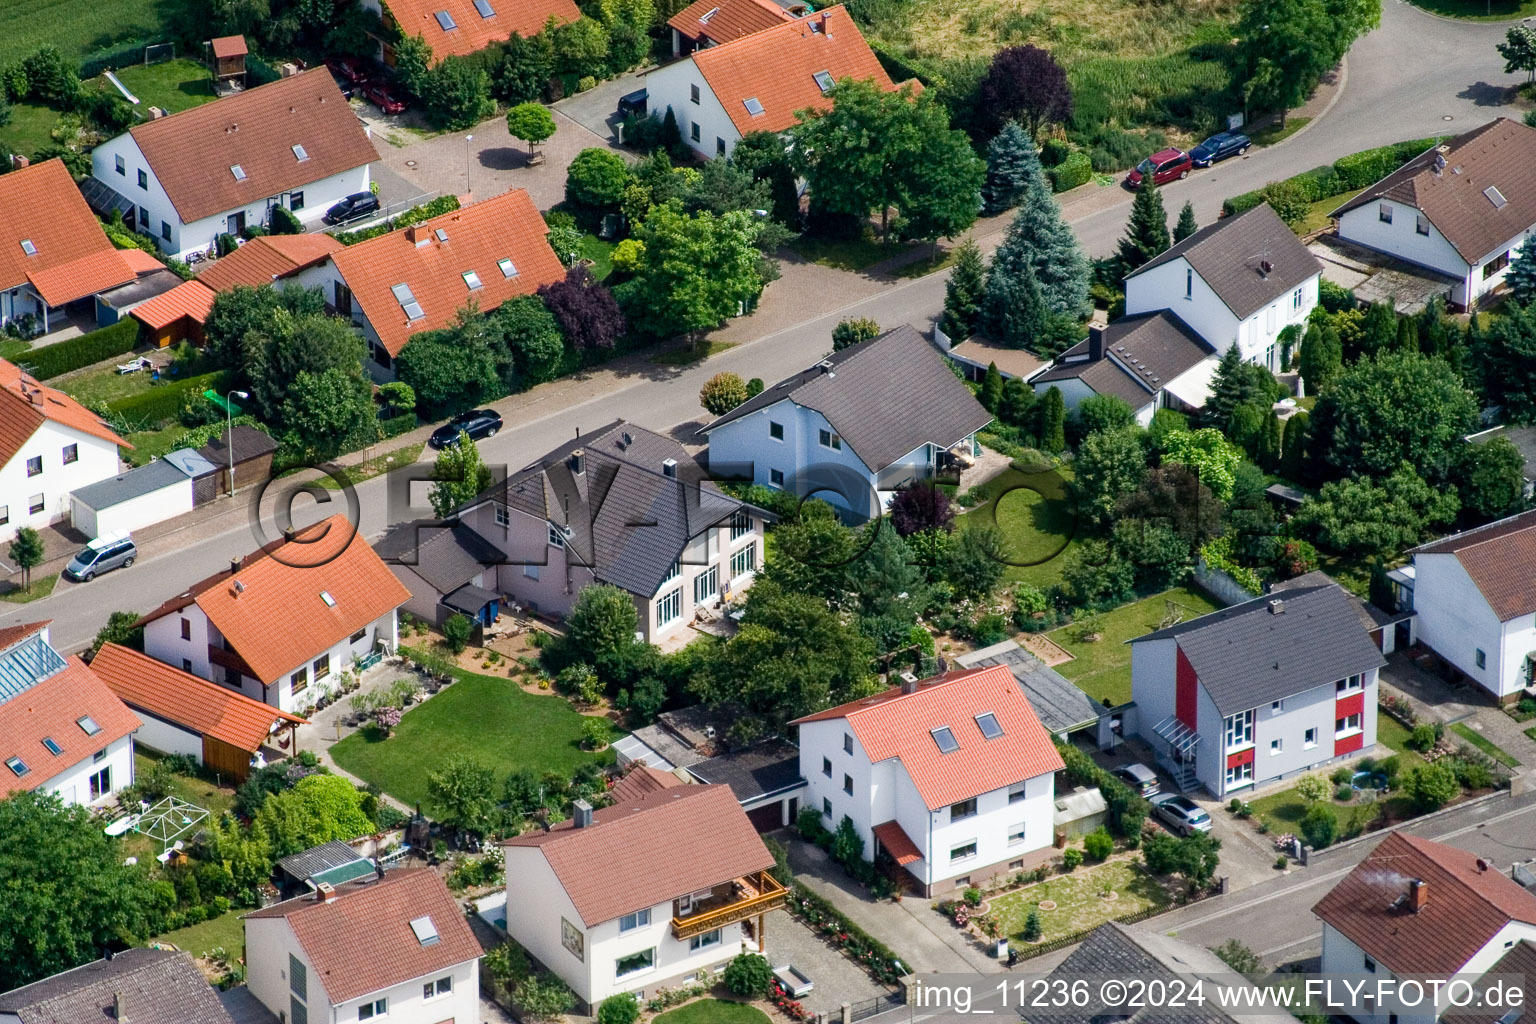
1013	165
1041	241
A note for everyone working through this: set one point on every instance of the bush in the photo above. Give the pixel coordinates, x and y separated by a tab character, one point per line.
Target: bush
1098	844
1432	786
1032	929
225	243
622	1008
722	393
748	975
163	404
1071	858
1422	738
415	215
1073	171
1342	774
1356	171
1312	788
1320	826
1391	767
284	222
1344	793
456	630
114	340
1054	151
1472	773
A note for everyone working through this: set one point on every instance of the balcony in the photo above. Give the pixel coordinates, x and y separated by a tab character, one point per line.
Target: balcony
228	658
733	901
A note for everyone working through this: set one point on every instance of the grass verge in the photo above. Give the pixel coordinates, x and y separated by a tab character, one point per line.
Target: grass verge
844	254
1270	136
1102	669
1317	216
687	355
42	586
1484	744
30	128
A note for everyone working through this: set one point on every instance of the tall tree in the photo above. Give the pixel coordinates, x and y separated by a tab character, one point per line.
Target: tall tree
1519	51
531	123
1146	234
1285	46
451	369
1359	517
26	551
1053	422
698	272
458	476
1108	467
586	310
1235	383
1014	309
1490	478
329	412
963	293
1400	407
1270	445
1322	355
287	345
1293	452
1016	406
1186	225
765	157
1506	356
1024	83
991	394
1013	166
1042	241
1521	275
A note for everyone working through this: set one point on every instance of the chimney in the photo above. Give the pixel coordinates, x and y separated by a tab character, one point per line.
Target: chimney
581	815
416	234
288	534
669	468
825	366
118	1012
1265	267
578	461
1277	607
325	892
1418	894
1095	343
908	683
1483	864
234	566
826	16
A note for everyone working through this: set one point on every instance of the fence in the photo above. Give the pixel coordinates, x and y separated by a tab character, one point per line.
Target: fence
126	55
1029	951
877	1005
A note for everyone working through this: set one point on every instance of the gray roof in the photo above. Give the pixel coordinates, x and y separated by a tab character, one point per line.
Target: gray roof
769	767
318	859
1369	615
249	443
244	1008
447	557
192	463
470	599
665	745
1246	655
156	986
132	484
1149	350
624	517
141	289
885	397
1227	256
1060	705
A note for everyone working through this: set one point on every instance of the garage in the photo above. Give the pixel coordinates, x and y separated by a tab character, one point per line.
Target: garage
131	500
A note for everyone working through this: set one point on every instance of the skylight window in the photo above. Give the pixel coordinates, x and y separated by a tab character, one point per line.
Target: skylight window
300	153
17	765
330	602
472	280
824	81
27	247
88	724
754	105
413	311
988	724
402	293
704	18
426	931
442	236
53	748
237	171
485	8
1495	197
945	738
445	21
507	268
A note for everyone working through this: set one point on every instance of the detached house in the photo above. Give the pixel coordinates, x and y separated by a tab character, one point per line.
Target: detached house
1262	690
281	624
1153	361
951	778
386	946
705	23
61	729
854	427
1462	208
214	169
756	82
669	881
457	28
1421	909
134	986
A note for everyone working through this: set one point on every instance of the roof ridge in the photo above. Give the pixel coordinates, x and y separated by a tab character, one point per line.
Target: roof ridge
1453	878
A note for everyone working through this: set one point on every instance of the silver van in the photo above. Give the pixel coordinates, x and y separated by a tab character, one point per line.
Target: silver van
105	553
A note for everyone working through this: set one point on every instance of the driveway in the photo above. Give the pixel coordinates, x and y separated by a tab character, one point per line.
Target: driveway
597	109
1437	700
838	980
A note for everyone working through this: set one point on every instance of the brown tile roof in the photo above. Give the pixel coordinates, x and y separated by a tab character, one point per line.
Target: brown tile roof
265	259
1520	960
361	941
179	697
479	237
10	635
230	46
775	67
641	782
41	204
1468	901
647	852
901	725
1449	184
721	21
1498	557
25	405
471	32
192	152
80	277
49	710
897	843
279	619
189	299
152	986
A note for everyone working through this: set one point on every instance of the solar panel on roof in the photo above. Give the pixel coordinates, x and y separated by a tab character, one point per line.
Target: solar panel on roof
445	21
485	8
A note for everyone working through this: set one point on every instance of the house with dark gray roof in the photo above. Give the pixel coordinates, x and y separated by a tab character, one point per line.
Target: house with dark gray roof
1152	360
1259	691
855	426
135	986
764	779
446	569
1061	707
1240	281
619	505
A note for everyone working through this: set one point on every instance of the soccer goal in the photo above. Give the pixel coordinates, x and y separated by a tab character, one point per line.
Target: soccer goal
154	53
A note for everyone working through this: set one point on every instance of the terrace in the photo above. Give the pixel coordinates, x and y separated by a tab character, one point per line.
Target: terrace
736	900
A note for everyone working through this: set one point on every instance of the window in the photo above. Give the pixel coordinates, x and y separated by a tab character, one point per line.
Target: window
1189	284
445	21
675	570
143	181
1276	747
744	561
572	939
471	280
1296	299
143	219
1240	730
186	664
100	755
827	439
1269	320
776	430
119	166
322	666
1350	685
437	989
52	747
639	919
5	514
34	465
485	8
355	637
17	766
101	784
741	525
503	517
848	784
1384	213
704	941
693	94
962	851
826	767
644	960
298	681
706	584
507	268
776	477
165	230
1370	964
1017	834
1018	792
670	608
989	726
824	81
372	1009
298	977
531	571
1277	707
1482	658
35	504
232	677
945	738
693	131
1422	227
237	171
754	105
1346	725
556	536
298	1013
1310	739
1240	775
295	201
847	743
719	146
963	809
826	808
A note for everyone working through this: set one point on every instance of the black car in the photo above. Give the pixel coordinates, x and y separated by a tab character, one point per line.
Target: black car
477	423
358	204
632	103
1219	147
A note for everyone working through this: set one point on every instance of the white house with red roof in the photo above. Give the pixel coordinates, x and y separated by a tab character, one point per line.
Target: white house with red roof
282	624
951	778
50	445
61	729
1421	909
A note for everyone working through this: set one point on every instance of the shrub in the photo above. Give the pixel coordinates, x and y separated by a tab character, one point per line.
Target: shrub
456	630
1073	171
748	975
1054	151
1422	738
163	404
594	732
622	1008
1098	844
1432	786
284	222
1312	788
808	824
1282	862
1473	773
1344	793
1391	767
415	215
1071	858
226	243
722	393
1342	774
1320	825
1239	956
114	340
1032	929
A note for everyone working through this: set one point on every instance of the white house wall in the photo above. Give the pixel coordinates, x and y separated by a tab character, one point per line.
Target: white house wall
1456	621
73	784
167	738
405	1004
989	828
745	445
669	87
152	198
1483	285
1175	286
97	461
135	513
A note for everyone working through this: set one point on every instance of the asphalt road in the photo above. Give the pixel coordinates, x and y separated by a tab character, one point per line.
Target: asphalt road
1404	81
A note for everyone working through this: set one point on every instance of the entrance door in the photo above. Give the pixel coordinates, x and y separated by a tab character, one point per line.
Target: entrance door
235	223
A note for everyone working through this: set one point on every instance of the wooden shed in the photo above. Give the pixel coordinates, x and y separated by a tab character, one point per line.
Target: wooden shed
229	53
253	451
177	315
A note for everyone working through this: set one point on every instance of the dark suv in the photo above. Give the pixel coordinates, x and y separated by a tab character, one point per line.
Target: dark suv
358	204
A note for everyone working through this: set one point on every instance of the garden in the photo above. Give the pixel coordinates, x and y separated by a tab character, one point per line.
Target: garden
1101	660
1068	904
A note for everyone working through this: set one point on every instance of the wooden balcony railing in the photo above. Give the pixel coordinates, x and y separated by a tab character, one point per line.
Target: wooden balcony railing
749	896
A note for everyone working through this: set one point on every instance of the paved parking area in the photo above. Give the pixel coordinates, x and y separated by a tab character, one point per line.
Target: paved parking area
837	979
597	109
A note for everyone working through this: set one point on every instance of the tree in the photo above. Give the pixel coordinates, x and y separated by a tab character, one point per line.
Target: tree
1108	467
317	810
721	186
991	393
1171	495
1013	165
748	975
451	369
1024	83
457	629
1041	240
1359	517
284	222
1186	225
1146	233
525	68
1312	788
700	270
1014	310
595	180
624	1008
587	312
963	293
601	629
120	630
413	65
852	331
1293	450
531	123
1236	382
722	393
530	338
1285	46
288	345
329	412
1270	444
847	844
919	506
27	553
1506	355
1239	957
1490	478
1378	332
1245	428
1519	51
1398	407
1322	356
458	476
1521	274
764	156
974	563
462	793
814	555
458	94
1210	455
53	79
1103	412
1096	576
1053	422
1032	928
1320	825
1017	403
1432	786
244	311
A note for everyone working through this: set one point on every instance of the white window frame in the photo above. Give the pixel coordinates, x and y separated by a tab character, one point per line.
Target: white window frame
1018	834
963	809
704	940
375	1008
639	919
744	561
962	851
829	439
1296	299
1349	686
1310	739
1018	792
1238	731
672	602
741	524
1276	747
1239	775
1352	725
706	585
432	991
637	970
503	516
556	536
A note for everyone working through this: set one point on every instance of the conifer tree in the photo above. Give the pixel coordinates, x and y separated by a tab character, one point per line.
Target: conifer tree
1017	402
1322	354
1293	451
1270	444
1014	309
1434	338
962	293
1521	275
991	389
1186	225
1146	233
1041	240
1053	422
1224	397
1407	334
1013	166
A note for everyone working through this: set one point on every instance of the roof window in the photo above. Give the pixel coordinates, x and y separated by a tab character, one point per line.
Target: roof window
485	8
507	268
472	279
824	81
945	738
88	724
445	21
300	153
53	747
402	294
237	171
754	105
1495	197
27	247
330	602
704	18
426	931
17	765
442	235
988	724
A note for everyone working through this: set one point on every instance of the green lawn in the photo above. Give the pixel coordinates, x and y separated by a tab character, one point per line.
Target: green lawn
42	586
30	126
1389	733
1079	905
105	384
844	254
213	798
226	931
171	85
1317	215
75	28
1283	812
600	253
714	1011
1531	732
1102	669
483	717
1270	136
1034	513
1479	10
153	444
1484	744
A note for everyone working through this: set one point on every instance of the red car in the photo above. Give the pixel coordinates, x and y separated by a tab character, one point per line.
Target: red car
348	69
1163	166
380	95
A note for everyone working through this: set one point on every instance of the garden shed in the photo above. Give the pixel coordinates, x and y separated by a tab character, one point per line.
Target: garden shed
131	500
252	456
1079	812
204	474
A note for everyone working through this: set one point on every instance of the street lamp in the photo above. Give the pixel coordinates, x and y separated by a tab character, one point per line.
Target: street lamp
467	188
911	1006
229	438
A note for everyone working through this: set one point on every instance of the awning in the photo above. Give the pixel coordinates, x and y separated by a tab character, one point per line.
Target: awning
1179	736
897	843
470	599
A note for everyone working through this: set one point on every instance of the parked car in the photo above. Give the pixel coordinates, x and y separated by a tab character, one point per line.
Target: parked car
477	423
1141	779
358	204
1182	815
1219	147
632	103
105	553
1162	167
348	69
382	96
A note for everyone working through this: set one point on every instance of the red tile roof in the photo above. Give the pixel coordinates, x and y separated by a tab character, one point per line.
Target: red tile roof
41	204
140	262
361	941
645	852
897	843
265	259
192	152
189	299
182	698
230	46
82	277
11	635
776	67
50	710
901	725
25	405
641	782
472	33
1497	557
721	21
506	227
279	619
1468	901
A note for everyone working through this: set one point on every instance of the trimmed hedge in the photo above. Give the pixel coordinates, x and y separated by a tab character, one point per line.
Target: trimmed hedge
1075	170
415	215
61	357
124	55
1347	174
163	403
396	425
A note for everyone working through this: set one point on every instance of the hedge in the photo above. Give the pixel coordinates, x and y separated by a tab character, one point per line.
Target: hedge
163	402
415	215
61	357
124	55
396	425
1075	170
1347	174
849	939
